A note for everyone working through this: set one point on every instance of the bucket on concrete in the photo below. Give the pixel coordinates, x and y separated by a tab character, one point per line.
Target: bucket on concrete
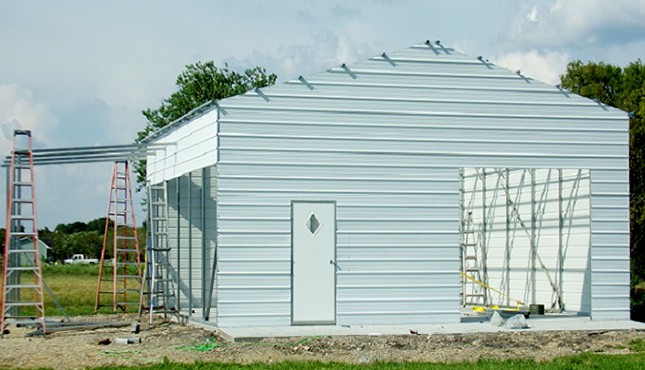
536	309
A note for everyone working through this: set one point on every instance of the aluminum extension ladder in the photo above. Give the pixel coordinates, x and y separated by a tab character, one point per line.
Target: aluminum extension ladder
473	291
22	292
158	294
120	287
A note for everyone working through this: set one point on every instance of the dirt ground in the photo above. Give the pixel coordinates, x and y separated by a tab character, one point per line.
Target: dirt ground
184	343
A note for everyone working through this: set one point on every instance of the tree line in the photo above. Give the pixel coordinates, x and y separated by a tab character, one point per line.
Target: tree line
79	238
623	88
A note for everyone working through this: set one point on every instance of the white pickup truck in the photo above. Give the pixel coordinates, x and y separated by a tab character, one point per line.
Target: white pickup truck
80	259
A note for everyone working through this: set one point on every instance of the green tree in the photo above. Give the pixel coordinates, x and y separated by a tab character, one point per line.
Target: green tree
197	84
71	228
88	243
623	88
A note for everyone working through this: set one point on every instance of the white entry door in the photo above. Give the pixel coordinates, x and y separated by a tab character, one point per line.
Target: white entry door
313	261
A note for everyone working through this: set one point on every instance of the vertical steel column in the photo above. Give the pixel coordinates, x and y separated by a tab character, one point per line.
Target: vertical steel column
532	239
202	203
560	270
507	244
213	282
178	197
190	243
484	244
462	216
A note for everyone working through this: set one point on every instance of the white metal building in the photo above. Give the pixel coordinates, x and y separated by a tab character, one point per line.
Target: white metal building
361	194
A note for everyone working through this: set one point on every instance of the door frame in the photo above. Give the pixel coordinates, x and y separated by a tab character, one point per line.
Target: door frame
335	283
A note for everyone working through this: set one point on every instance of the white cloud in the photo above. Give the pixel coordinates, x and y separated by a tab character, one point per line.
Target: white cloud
533	15
543	66
325	50
563	23
19	110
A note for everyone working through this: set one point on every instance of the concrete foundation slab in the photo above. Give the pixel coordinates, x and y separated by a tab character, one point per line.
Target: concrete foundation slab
545	323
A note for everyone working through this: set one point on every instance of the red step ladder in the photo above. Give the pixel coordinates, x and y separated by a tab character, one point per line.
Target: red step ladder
119	282
22	288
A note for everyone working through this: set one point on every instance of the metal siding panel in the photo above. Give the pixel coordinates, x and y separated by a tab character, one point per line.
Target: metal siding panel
190	147
610	244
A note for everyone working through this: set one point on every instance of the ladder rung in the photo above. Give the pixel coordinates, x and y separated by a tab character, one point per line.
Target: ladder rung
21	183
23	268
22	200
22	251
127	250
26	286
127	276
159	249
21	233
127	264
22	304
127	290
21	320
125	237
19	217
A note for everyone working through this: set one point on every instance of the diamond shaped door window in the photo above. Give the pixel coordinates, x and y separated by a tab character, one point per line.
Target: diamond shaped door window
312	223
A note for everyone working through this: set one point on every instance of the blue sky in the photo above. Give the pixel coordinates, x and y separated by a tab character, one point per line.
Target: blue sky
78	73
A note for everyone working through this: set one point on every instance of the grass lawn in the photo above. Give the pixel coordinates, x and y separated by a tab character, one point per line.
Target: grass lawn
75	289
585	361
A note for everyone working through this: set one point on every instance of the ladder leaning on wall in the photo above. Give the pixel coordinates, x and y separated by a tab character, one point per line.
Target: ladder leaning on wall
473	291
158	290
22	290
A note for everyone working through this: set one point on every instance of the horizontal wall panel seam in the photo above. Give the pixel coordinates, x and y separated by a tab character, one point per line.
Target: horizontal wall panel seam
417	139
336	191
255	273
397	299
383	72
345	232
400	286
323	96
402	272
389	312
445	165
336	178
431	153
342	219
345	205
423	113
254	287
386	58
425	125
316	81
253	302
